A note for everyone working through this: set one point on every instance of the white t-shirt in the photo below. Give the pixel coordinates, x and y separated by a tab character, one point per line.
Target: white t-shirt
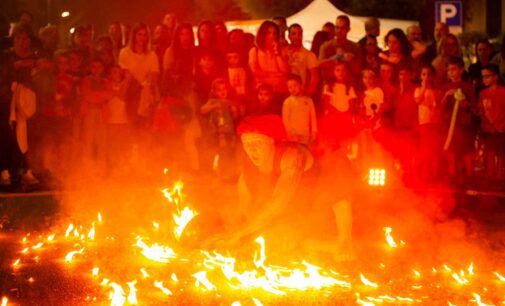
338	96
373	96
299	117
237	78
301	61
140	65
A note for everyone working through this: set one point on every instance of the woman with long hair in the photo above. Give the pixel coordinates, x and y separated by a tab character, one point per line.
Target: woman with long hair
142	63
398	48
268	60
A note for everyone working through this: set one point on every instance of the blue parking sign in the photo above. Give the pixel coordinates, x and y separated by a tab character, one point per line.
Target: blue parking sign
449	12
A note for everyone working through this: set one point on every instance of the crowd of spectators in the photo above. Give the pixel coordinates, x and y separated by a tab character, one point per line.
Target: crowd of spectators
108	102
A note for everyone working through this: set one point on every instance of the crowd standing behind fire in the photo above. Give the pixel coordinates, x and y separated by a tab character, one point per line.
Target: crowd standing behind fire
113	100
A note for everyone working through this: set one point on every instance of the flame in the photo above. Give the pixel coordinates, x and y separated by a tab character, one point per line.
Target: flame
132	297
391	242
156	225
361	302
117	296
69	230
37	246
417	273
70	255
470	269
95	271
99	218
174	278
144	273
257	302
182	219
5	300
91	233
16	262
159	285
51	237
201	278
500	277
236	303
366	282
272	279
479	302
460	278
155	252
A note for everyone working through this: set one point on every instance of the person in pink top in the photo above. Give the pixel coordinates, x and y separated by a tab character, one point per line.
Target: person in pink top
268	60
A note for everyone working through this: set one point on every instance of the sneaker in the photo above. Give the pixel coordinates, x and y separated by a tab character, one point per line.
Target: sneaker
28	178
5	178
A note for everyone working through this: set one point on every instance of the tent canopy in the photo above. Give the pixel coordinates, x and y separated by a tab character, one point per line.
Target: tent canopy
317	13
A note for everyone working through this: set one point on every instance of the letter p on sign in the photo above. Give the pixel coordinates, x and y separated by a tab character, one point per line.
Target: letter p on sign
449	12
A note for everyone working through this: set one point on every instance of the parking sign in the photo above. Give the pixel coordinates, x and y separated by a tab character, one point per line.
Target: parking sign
449	12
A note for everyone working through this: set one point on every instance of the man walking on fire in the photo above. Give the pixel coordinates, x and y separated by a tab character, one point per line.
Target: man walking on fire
297	199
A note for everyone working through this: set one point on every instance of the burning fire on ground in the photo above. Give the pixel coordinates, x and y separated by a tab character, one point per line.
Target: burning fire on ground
151	267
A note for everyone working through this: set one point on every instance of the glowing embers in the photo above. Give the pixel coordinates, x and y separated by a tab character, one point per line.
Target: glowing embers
377	177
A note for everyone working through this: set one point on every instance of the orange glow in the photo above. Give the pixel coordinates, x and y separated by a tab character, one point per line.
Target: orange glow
159	285
95	271
155	252
366	282
201	279
5	300
70	255
132	296
144	273
391	242
479	302
117	296
500	277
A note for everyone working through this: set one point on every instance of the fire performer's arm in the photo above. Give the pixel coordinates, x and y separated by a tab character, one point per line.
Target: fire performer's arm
293	164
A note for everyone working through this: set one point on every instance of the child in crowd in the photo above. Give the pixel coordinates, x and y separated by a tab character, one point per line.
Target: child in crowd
458	107
339	102
298	113
117	119
44	85
427	98
372	100
492	112
388	82
58	115
221	111
237	74
96	94
405	120
371	108
265	102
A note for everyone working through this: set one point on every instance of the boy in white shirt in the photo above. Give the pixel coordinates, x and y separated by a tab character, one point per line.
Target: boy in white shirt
298	113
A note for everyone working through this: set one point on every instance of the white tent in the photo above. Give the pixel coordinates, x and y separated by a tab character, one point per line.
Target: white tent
317	13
